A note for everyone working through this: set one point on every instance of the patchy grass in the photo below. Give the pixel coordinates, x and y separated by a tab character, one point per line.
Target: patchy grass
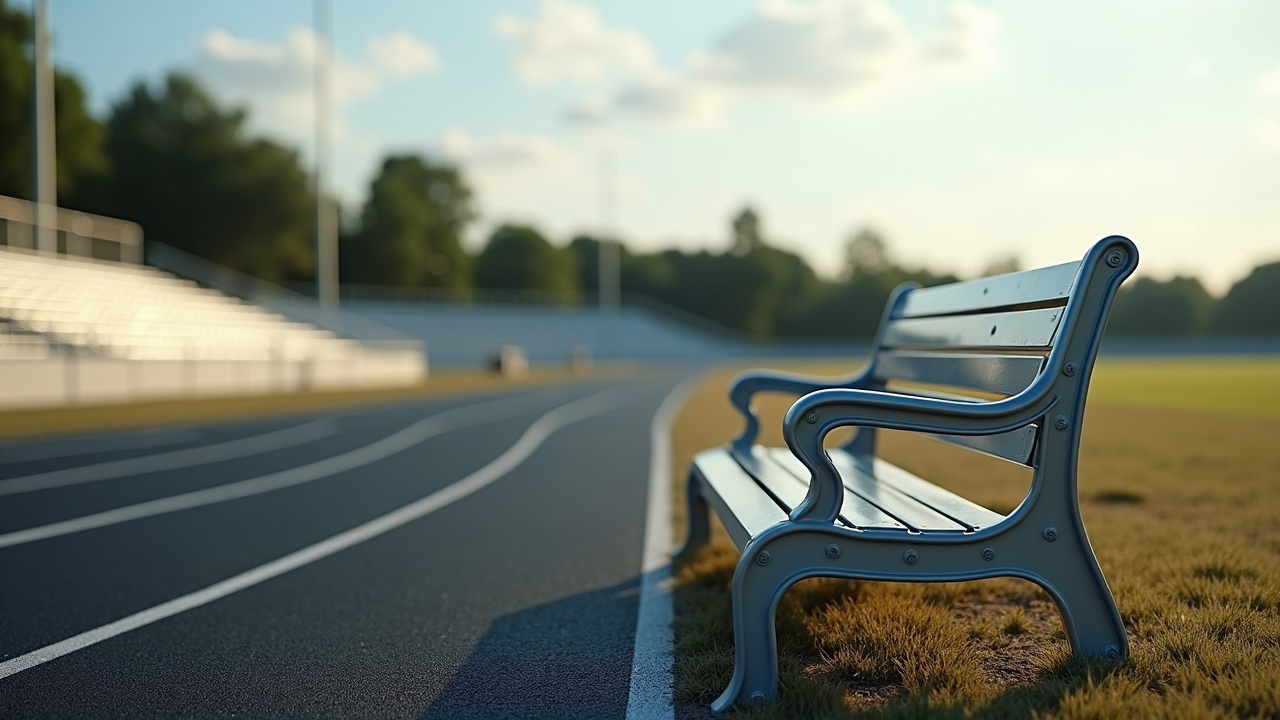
52	421
1178	470
1236	386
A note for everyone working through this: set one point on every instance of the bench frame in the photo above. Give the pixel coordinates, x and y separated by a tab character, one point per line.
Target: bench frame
1043	540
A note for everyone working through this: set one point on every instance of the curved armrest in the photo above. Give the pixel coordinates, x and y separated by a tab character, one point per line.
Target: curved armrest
747	384
818	413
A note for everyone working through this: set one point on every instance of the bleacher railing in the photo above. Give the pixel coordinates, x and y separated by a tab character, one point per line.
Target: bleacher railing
79	234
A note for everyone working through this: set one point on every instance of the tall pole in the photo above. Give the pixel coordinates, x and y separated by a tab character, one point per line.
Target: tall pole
610	264
44	226
326	223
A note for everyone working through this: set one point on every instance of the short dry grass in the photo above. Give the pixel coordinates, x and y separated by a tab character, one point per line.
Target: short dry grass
1180	497
90	418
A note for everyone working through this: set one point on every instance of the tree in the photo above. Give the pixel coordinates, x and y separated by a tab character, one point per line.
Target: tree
519	258
1177	307
1251	306
185	170
746	234
649	275
79	135
411	227
866	253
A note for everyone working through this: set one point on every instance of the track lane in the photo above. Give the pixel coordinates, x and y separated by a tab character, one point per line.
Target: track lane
192	674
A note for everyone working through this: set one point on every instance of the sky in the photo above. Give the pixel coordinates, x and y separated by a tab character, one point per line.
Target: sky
963	132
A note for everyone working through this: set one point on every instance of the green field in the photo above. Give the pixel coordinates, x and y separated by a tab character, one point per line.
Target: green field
1179	473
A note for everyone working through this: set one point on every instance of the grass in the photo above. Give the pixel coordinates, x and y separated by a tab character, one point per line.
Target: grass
1179	465
52	421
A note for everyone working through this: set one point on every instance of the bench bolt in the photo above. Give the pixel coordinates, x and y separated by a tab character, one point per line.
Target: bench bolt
1112	652
833	551
1060	422
763	558
757	698
1069	369
1114	258
988	554
910	557
811	418
1049	534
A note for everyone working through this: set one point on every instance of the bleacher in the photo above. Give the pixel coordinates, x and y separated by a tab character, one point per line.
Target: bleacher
136	312
127	331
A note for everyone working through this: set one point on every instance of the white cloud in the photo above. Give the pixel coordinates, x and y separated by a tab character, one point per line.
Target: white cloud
567	40
276	80
815	50
966	40
820	51
503	151
403	55
671	99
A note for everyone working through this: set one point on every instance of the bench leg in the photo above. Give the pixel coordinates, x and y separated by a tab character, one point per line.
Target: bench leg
1088	610
756	590
699	528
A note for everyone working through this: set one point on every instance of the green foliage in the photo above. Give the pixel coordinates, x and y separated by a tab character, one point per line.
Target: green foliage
1172	308
411	227
185	170
79	135
1251	306
518	258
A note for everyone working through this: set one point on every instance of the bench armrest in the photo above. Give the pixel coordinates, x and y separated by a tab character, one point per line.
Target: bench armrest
744	387
818	413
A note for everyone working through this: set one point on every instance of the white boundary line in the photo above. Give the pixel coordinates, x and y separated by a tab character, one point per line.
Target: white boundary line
229	450
530	441
399	441
651	665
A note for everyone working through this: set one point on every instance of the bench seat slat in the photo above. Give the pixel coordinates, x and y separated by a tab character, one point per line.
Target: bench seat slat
1029	287
859	487
940	499
744	509
855	512
1019	329
1004	374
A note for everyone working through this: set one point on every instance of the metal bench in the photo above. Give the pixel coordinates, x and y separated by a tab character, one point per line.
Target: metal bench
1030	338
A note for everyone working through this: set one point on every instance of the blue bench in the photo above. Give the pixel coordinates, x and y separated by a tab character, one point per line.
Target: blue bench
1029	338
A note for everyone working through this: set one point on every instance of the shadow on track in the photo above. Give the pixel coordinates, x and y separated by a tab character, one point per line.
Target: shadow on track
566	659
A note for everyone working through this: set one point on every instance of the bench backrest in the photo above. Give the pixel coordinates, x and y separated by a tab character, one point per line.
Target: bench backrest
997	335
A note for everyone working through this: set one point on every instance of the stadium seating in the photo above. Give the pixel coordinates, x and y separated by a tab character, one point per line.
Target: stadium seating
135	312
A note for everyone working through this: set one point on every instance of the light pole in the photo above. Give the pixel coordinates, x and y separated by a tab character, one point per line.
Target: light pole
44	226
326	223
609	268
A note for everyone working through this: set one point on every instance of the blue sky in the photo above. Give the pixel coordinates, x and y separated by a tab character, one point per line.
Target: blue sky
962	131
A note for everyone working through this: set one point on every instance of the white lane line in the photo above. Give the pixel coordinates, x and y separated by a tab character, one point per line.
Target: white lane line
390	445
531	440
229	450
651	665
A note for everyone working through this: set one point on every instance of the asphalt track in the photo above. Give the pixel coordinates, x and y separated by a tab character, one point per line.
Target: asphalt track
475	557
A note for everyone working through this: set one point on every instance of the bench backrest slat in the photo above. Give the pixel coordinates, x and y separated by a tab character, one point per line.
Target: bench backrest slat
1043	286
990	335
1018	329
1003	374
1015	445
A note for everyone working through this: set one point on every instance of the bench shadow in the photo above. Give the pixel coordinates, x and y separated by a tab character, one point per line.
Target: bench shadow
570	658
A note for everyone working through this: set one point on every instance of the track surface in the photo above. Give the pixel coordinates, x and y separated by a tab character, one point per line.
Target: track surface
518	600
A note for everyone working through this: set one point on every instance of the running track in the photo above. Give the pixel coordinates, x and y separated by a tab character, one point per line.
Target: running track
486	556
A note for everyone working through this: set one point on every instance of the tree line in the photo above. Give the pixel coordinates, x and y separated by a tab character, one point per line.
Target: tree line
170	158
